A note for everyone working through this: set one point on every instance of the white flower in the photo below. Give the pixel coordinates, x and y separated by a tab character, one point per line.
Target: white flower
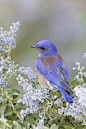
77	76
74	68
32	97
84	56
77	63
78	108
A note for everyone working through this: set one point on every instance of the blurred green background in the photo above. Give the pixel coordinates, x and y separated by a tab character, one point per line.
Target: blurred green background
61	21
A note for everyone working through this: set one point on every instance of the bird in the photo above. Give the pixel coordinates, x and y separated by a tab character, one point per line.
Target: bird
52	71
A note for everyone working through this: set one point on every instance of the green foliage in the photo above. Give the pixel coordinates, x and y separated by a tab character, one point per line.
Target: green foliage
11	119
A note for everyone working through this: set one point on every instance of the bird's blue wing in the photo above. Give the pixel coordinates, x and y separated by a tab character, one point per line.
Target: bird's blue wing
58	75
51	75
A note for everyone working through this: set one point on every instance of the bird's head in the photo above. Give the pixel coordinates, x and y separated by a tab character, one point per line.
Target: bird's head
46	48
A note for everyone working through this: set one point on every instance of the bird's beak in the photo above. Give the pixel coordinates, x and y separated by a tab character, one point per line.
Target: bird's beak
33	46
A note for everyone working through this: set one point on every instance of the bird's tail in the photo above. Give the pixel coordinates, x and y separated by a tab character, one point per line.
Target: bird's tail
67	96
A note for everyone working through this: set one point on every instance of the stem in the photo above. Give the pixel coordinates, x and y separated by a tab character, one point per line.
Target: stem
57	97
9	51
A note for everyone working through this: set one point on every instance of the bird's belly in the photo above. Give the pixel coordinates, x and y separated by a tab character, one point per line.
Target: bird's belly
44	82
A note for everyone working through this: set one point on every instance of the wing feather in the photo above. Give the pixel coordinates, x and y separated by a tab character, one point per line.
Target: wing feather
59	75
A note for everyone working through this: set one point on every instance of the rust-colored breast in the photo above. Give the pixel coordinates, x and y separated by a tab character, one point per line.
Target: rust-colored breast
48	62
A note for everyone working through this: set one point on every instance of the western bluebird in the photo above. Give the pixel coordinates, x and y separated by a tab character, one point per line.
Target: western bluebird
51	69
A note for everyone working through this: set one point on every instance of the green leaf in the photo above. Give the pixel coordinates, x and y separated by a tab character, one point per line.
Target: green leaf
73	82
30	118
16	125
57	93
15	92
44	127
2	107
54	126
0	92
9	96
80	127
67	127
19	107
9	90
80	81
9	122
23	125
61	127
8	112
85	127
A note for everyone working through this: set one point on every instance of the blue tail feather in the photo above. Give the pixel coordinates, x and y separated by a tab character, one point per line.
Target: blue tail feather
67	97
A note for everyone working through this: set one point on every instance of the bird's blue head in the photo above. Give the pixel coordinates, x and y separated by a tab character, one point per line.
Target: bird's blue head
46	48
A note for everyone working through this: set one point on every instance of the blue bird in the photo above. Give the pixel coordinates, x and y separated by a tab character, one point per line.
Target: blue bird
52	70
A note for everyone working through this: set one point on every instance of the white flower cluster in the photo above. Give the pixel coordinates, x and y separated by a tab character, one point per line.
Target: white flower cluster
75	110
81	94
78	108
32	97
7	41
7	69
8	37
84	56
23	82
11	69
29	72
80	71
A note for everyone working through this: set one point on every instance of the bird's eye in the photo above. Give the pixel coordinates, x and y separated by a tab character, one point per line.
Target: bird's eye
42	48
